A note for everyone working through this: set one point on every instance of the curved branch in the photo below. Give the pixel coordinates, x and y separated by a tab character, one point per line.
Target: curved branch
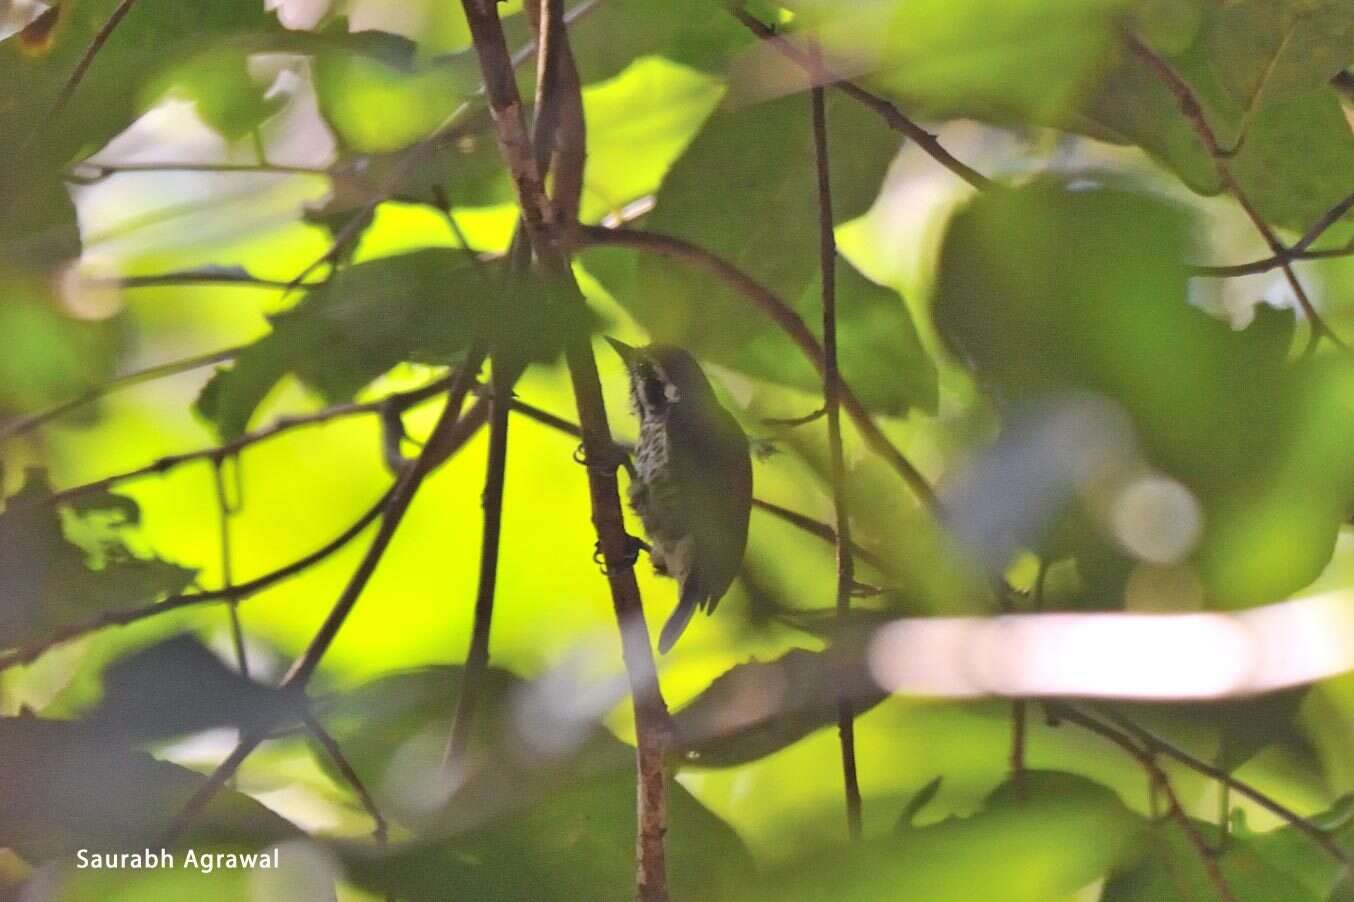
784	316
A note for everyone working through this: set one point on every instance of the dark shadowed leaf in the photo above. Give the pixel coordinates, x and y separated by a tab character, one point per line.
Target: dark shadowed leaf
178	687
759	708
47	580
68	787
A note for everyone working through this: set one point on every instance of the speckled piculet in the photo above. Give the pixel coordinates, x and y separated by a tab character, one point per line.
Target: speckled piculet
692	485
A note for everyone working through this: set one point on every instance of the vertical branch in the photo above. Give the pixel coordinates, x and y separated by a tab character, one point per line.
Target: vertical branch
477	658
827	258
224	511
652	727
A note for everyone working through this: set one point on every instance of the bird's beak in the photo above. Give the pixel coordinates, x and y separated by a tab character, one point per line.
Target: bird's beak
627	353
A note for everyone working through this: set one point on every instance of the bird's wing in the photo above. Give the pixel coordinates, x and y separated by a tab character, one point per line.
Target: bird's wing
714	469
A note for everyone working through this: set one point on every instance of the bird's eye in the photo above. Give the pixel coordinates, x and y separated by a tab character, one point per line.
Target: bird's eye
655	393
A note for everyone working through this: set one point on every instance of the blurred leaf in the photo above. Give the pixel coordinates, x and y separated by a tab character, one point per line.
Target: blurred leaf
545	804
1046	840
376	106
423	306
46	580
1051	293
758	708
178	687
52	357
67	787
1016	62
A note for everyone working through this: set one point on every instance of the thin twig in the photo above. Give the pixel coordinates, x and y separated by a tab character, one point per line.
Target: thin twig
381	828
827	261
25	424
162	465
102	171
1161	782
1156	743
890	113
1190	108
784	316
78	73
652	725
1297	252
238	592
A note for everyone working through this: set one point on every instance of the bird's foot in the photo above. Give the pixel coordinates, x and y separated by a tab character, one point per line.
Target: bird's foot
616	456
633	546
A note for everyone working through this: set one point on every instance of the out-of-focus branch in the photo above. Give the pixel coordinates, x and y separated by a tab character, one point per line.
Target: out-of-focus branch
785	317
400	401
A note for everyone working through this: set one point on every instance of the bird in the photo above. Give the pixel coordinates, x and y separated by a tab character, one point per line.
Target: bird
692	479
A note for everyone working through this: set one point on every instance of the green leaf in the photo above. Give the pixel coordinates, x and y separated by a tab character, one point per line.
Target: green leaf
763	155
916	804
700	34
1046	839
55	357
68	787
47	580
1010	62
1259	71
422	306
1173	870
638	123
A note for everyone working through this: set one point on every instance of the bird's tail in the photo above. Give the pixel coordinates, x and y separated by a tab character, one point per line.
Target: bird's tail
686	606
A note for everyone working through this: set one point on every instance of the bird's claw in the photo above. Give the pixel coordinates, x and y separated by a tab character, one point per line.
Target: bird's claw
615	458
634	545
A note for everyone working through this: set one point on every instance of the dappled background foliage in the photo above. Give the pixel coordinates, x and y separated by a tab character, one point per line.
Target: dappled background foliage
1094	319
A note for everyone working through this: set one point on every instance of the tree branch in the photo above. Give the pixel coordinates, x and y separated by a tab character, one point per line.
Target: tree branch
784	316
399	401
652	726
380	829
827	262
1160	781
1155	743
